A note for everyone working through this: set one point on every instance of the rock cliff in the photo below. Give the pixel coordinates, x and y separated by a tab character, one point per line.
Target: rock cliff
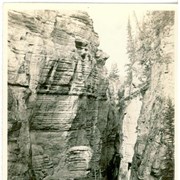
61	125
148	121
67	120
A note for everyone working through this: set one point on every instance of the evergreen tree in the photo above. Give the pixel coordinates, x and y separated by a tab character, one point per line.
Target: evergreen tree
114	72
130	43
131	53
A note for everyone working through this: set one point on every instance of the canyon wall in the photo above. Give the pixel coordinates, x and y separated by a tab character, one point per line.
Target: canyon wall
61	123
148	122
68	120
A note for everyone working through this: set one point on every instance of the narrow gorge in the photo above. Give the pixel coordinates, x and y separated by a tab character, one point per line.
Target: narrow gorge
69	119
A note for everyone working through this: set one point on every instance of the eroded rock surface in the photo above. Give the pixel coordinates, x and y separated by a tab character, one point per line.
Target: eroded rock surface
154	149
61	123
152	89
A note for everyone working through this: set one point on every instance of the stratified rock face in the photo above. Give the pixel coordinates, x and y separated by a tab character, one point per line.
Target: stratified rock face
18	134
154	149
59	117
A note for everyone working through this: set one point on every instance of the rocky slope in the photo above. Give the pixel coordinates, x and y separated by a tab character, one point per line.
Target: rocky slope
61	125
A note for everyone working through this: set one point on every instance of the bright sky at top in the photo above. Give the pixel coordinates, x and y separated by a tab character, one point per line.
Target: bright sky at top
110	22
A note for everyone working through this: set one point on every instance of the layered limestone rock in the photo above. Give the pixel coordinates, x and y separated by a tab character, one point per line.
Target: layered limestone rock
61	125
67	120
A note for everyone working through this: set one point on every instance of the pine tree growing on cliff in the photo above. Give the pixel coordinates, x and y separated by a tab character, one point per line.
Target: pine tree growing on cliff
130	43
131	53
168	138
144	39
114	72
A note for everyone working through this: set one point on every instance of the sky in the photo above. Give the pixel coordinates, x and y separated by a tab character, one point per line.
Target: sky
110	22
111	27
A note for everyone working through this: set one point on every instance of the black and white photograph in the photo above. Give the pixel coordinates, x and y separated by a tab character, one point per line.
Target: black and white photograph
90	91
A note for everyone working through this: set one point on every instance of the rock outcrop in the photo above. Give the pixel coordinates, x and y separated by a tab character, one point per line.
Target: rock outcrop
154	149
60	120
148	122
